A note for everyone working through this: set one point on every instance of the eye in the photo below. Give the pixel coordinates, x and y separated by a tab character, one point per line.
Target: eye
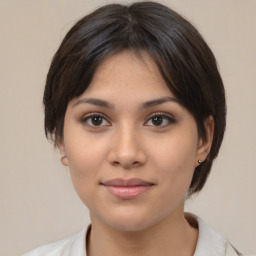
160	119
95	120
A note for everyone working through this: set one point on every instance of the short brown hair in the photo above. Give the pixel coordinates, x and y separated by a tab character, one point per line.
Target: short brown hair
184	59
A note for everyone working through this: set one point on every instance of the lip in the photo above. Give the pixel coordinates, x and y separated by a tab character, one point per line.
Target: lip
127	188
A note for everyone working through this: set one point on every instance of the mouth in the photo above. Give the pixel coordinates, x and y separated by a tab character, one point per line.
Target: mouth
127	189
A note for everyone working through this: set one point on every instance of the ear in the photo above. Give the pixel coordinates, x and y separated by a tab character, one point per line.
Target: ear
204	144
63	155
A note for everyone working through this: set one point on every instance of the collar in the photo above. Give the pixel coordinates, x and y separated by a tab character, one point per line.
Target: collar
209	241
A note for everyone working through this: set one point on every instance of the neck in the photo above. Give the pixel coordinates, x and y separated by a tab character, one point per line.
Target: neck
173	236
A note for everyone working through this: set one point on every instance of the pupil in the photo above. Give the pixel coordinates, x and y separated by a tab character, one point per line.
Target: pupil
157	120
97	120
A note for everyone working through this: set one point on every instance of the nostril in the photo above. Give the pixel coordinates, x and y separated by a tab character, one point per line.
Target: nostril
116	163
127	165
126	158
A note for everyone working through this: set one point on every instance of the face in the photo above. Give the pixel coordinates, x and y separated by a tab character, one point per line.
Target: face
130	146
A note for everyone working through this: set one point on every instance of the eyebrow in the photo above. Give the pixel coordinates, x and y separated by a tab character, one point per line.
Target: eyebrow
93	101
144	105
155	102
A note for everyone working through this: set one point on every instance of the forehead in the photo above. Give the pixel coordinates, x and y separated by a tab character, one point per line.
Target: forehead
128	72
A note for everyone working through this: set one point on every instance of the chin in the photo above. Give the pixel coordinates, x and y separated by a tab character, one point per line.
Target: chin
131	225
127	220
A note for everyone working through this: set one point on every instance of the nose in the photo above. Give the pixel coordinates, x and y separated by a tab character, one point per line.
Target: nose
127	149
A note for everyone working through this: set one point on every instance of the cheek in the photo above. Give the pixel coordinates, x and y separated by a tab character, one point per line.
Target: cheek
175	151
85	158
85	151
176	159
84	166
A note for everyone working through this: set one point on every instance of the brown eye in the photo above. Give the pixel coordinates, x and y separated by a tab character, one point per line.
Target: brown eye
95	121
157	120
160	120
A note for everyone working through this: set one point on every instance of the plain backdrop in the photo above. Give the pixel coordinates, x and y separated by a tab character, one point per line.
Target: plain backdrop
38	203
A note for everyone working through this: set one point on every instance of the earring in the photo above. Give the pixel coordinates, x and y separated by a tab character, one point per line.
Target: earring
200	161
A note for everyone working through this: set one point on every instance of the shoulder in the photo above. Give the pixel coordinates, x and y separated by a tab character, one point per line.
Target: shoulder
211	242
73	245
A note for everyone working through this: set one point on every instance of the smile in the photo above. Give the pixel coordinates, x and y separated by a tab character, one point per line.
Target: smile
127	189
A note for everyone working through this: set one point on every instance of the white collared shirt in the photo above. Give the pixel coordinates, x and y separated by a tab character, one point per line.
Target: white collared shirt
210	243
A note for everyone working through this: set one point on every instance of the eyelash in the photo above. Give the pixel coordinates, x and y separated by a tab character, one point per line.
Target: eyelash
165	116
85	119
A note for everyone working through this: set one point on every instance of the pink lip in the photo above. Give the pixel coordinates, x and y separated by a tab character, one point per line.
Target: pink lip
127	189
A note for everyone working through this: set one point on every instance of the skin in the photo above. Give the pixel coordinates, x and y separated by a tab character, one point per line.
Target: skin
127	142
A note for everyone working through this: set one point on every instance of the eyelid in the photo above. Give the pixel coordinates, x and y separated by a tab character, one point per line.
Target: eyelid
85	117
92	114
162	114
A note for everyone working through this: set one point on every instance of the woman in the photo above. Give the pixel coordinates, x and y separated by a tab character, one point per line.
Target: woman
136	105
